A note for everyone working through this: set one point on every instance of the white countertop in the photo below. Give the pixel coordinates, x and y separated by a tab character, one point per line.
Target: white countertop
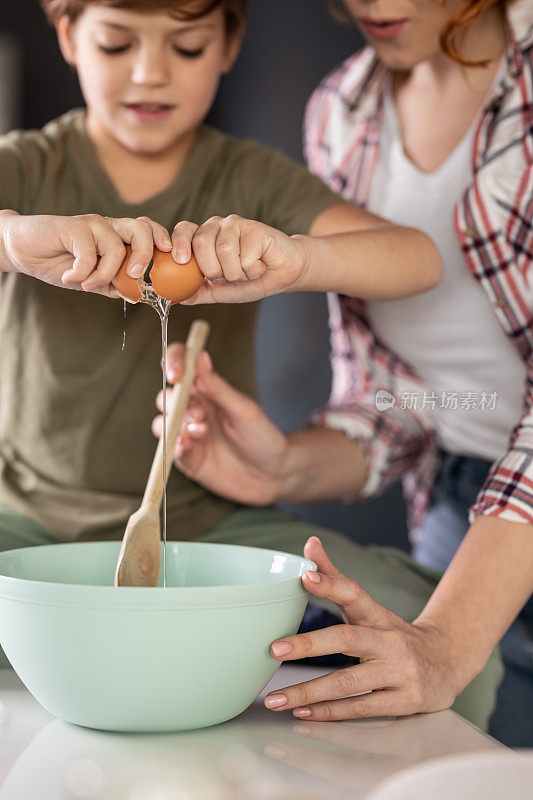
260	755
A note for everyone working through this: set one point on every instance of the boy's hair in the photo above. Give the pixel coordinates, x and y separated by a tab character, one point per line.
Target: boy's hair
452	30
236	11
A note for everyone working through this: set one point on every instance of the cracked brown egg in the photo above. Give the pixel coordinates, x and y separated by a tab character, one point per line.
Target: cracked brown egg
174	282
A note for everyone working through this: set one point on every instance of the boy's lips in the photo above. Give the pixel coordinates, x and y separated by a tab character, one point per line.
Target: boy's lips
149	112
383	28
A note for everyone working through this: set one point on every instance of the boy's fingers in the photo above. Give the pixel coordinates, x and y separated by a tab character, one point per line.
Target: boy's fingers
203	296
247	292
108	291
112	252
359	606
139	234
251	249
182	236
227	247
203	246
160	235
82	246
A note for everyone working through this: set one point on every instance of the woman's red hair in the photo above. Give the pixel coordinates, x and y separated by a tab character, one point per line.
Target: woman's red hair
457	25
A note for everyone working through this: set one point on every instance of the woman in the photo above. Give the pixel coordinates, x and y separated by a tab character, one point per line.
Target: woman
431	125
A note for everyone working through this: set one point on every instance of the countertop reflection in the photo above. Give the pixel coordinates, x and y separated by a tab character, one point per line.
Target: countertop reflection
260	755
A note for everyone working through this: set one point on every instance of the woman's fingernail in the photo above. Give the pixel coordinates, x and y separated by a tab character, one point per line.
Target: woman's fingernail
88	286
275	750
136	271
314	577
181	256
173	375
167	241
281	648
196	428
275	701
302	712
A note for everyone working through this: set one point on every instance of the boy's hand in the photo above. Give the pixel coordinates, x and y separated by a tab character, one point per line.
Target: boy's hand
242	259
78	252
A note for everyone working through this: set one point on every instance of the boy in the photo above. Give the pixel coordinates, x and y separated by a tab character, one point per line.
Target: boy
76	460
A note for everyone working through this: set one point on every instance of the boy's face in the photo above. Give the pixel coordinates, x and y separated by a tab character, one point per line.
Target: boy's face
148	79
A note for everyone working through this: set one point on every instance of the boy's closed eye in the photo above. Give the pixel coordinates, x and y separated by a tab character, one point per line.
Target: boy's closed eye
185	53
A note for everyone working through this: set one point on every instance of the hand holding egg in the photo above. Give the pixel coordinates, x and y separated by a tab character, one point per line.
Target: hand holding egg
84	251
242	259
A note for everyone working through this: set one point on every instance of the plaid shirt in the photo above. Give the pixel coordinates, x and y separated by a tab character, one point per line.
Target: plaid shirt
493	223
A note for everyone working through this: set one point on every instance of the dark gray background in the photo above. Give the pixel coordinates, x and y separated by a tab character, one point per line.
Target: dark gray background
289	46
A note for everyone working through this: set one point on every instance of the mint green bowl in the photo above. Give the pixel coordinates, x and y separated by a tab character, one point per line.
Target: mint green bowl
192	654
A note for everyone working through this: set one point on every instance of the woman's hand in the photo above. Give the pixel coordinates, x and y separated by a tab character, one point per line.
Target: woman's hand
243	260
79	252
227	443
407	667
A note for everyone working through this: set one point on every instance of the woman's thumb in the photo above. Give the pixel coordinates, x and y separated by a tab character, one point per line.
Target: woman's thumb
213	386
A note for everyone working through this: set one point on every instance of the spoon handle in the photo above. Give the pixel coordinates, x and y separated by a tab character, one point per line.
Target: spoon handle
176	407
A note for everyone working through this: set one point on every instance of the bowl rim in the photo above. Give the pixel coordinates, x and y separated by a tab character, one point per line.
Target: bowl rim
11	581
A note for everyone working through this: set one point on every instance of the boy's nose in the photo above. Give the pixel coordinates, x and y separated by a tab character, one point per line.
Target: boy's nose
150	69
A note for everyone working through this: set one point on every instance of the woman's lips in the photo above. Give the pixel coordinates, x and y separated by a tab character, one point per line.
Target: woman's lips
149	112
383	29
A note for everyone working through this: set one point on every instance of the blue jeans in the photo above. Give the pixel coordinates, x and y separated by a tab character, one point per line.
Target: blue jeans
458	482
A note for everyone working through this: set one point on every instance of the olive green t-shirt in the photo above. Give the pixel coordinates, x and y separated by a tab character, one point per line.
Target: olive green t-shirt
75	408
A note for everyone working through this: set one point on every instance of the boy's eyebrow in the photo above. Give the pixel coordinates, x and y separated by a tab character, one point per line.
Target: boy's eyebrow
204	26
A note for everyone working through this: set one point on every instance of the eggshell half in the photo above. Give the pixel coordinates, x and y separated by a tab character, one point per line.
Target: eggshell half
175	282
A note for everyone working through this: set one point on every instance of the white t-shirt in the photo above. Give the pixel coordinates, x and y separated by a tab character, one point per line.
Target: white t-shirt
450	335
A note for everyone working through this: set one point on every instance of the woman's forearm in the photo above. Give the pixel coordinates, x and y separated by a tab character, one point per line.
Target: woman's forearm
483	589
355	253
321	464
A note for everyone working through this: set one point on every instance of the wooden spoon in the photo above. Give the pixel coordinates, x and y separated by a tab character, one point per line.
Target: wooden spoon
140	555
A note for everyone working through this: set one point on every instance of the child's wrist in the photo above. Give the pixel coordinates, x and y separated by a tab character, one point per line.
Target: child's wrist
317	264
6	264
303	281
